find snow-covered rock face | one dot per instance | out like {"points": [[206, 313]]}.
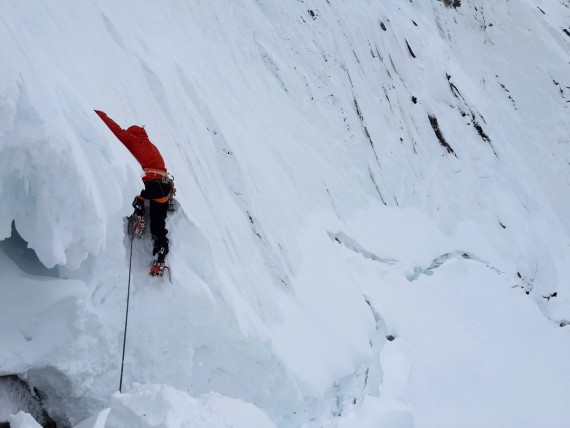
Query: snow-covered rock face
{"points": [[373, 209]]}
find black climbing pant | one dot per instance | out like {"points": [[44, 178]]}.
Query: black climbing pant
{"points": [[155, 189]]}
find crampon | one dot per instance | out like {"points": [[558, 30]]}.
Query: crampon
{"points": [[157, 268], [139, 226]]}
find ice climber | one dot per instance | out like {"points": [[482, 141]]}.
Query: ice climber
{"points": [[157, 188]]}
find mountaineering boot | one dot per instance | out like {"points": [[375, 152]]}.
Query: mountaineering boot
{"points": [[157, 268], [139, 227]]}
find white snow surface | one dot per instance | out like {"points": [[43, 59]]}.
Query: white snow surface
{"points": [[23, 420], [333, 265], [161, 406]]}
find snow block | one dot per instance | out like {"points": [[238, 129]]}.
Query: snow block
{"points": [[56, 174], [23, 420], [159, 406]]}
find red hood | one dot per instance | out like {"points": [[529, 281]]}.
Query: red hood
{"points": [[137, 131]]}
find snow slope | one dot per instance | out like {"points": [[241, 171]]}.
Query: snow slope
{"points": [[372, 225]]}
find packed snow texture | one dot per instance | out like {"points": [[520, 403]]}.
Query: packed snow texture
{"points": [[158, 406], [23, 420], [372, 225]]}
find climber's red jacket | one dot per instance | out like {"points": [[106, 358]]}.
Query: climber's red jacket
{"points": [[136, 140]]}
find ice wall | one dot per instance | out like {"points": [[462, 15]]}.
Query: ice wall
{"points": [[322, 151]]}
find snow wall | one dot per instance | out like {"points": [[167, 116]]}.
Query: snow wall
{"points": [[373, 207]]}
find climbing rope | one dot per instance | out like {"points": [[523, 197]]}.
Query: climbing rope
{"points": [[127, 312]]}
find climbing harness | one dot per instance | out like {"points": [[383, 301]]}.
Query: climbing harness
{"points": [[165, 178]]}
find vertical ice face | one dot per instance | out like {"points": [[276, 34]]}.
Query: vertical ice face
{"points": [[349, 176]]}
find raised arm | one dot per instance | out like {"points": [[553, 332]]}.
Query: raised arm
{"points": [[119, 132]]}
